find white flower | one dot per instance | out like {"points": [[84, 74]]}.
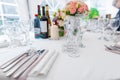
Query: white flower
{"points": [[61, 23]]}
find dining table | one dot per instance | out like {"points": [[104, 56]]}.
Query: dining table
{"points": [[94, 62]]}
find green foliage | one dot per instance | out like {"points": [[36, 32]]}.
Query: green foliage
{"points": [[67, 12], [54, 14], [61, 31], [93, 13]]}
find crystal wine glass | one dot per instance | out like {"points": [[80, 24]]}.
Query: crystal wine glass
{"points": [[114, 23]]}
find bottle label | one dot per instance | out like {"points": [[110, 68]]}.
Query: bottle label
{"points": [[43, 26], [37, 30]]}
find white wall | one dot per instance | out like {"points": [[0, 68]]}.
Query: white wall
{"points": [[23, 10], [33, 7]]}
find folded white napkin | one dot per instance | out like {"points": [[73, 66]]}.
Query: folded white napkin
{"points": [[44, 65], [47, 67]]}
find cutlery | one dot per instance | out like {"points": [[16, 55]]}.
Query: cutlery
{"points": [[11, 61], [29, 64], [24, 66], [108, 47], [16, 67], [13, 64], [27, 53], [112, 49]]}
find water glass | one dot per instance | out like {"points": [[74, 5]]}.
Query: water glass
{"points": [[92, 25], [18, 33], [111, 28], [28, 30]]}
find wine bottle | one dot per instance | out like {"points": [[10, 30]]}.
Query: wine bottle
{"points": [[44, 24], [37, 26], [49, 21], [39, 11]]}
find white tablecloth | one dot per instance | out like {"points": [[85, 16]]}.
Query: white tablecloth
{"points": [[94, 62]]}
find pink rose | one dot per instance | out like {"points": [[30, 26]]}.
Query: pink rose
{"points": [[81, 9], [73, 3], [72, 10], [86, 7], [67, 7], [76, 7]]}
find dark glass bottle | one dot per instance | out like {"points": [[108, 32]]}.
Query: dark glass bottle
{"points": [[37, 26], [39, 11], [49, 20], [44, 24]]}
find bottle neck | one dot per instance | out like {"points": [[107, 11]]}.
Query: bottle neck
{"points": [[39, 12], [36, 16], [46, 8], [47, 11], [43, 10]]}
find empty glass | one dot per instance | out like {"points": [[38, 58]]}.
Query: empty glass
{"points": [[102, 26], [28, 30], [92, 25], [111, 28], [14, 33], [18, 33], [114, 23]]}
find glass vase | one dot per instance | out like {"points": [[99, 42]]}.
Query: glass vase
{"points": [[71, 46]]}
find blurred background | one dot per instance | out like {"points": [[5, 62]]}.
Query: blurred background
{"points": [[23, 10]]}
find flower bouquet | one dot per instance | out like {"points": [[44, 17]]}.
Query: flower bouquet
{"points": [[75, 10], [71, 9], [59, 21], [76, 7]]}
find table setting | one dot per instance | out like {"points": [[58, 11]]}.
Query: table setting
{"points": [[82, 46]]}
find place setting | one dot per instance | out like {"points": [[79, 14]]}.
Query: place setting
{"points": [[114, 45], [32, 63]]}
